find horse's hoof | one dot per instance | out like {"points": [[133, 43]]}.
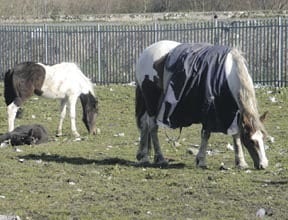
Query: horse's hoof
{"points": [[143, 164], [76, 134], [162, 164], [204, 167], [160, 161], [242, 166], [201, 164]]}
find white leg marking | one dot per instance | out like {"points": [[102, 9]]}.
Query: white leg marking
{"points": [[72, 107], [12, 111], [239, 155]]}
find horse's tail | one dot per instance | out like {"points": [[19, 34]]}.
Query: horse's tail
{"points": [[139, 106], [9, 90]]}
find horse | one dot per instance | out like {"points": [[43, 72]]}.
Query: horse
{"points": [[64, 81], [26, 134], [180, 84]]}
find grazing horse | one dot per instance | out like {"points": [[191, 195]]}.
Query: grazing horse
{"points": [[63, 81], [182, 84], [26, 134]]}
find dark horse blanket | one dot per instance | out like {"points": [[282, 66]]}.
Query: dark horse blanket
{"points": [[26, 134], [197, 90]]}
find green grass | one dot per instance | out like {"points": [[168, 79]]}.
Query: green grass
{"points": [[95, 178]]}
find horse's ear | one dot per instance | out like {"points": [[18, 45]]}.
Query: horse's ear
{"points": [[158, 65], [263, 117]]}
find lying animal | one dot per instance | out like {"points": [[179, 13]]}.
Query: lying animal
{"points": [[26, 134]]}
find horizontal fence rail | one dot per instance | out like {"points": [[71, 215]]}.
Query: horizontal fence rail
{"points": [[108, 53]]}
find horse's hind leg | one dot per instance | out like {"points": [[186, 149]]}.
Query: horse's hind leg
{"points": [[201, 156], [145, 141], [63, 107], [239, 155], [148, 133], [158, 156]]}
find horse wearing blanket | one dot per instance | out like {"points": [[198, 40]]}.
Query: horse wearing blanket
{"points": [[182, 84], [63, 81]]}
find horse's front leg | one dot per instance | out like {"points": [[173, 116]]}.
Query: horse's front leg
{"points": [[201, 156], [72, 107], [239, 154], [63, 107], [11, 111]]}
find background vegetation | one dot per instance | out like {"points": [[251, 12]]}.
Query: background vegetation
{"points": [[52, 8], [97, 178]]}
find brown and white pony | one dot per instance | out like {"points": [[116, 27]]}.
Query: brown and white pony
{"points": [[63, 81], [152, 77]]}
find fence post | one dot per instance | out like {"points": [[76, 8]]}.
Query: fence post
{"points": [[279, 51], [99, 53], [216, 32], [46, 43], [155, 32]]}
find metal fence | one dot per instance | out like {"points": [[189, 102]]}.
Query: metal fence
{"points": [[107, 53]]}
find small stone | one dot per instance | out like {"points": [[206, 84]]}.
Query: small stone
{"points": [[223, 167], [77, 139], [261, 213], [192, 151], [230, 146], [9, 217]]}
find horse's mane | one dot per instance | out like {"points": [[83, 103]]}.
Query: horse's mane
{"points": [[247, 97]]}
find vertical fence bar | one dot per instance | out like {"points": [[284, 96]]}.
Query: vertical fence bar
{"points": [[279, 51], [99, 52]]}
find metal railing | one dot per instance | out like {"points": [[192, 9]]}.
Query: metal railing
{"points": [[107, 53]]}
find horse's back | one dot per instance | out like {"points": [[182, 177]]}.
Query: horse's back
{"points": [[151, 54], [65, 79]]}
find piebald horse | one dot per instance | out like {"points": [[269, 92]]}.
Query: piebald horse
{"points": [[63, 81], [170, 76]]}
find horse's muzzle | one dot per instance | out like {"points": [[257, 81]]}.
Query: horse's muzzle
{"points": [[262, 165]]}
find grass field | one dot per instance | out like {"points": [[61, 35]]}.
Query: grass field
{"points": [[96, 178]]}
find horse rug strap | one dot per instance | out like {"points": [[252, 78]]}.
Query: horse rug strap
{"points": [[196, 89]]}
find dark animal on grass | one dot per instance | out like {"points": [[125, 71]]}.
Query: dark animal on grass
{"points": [[182, 84], [26, 134], [63, 81]]}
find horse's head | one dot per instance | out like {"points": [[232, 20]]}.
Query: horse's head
{"points": [[252, 135], [90, 111]]}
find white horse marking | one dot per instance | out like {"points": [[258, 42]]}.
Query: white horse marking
{"points": [[258, 138], [12, 111]]}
